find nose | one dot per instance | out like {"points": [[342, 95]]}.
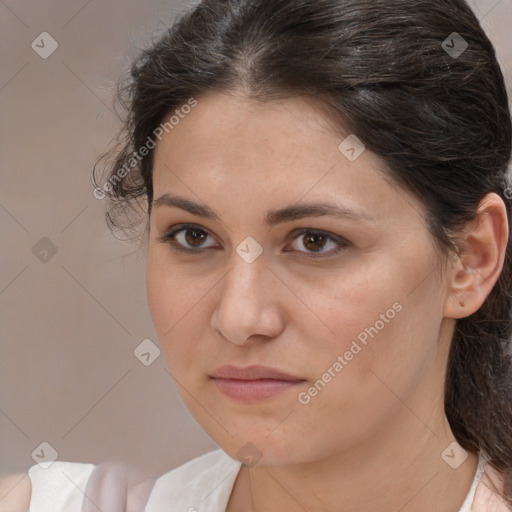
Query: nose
{"points": [[248, 306]]}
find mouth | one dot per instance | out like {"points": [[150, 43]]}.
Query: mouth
{"points": [[253, 383]]}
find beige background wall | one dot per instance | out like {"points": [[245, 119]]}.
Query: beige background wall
{"points": [[68, 326]]}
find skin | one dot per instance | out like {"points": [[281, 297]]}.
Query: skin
{"points": [[15, 492], [372, 438]]}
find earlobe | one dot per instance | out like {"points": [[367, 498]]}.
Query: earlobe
{"points": [[479, 262], [465, 295]]}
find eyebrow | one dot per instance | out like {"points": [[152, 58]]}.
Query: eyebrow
{"points": [[273, 217]]}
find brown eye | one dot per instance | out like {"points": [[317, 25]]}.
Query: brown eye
{"points": [[187, 238], [194, 237], [315, 242]]}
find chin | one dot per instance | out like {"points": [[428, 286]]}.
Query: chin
{"points": [[263, 451]]}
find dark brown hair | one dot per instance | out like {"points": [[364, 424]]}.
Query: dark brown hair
{"points": [[439, 120]]}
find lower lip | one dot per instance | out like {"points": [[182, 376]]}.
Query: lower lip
{"points": [[251, 390]]}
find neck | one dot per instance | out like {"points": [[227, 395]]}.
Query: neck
{"points": [[385, 474]]}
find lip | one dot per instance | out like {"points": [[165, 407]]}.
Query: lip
{"points": [[253, 383], [254, 372]]}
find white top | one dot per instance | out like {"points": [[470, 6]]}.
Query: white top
{"points": [[203, 484]]}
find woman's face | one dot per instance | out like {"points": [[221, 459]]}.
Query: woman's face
{"points": [[349, 303]]}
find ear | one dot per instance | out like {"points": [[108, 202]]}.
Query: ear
{"points": [[478, 264]]}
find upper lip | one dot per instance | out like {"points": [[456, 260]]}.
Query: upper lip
{"points": [[252, 373]]}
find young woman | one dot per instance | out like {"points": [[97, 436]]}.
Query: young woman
{"points": [[329, 260]]}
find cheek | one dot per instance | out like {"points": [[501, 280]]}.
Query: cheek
{"points": [[353, 306], [159, 300], [373, 324], [167, 290], [165, 297], [355, 385], [176, 304]]}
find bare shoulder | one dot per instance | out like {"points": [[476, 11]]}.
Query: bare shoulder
{"points": [[15, 493]]}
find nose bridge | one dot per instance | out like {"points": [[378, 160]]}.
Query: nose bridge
{"points": [[244, 287], [246, 305]]}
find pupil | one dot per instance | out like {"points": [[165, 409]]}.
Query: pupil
{"points": [[196, 237], [312, 238]]}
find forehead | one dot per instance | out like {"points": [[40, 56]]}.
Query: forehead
{"points": [[231, 146], [229, 122]]}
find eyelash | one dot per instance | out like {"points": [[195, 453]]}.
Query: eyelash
{"points": [[168, 238]]}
